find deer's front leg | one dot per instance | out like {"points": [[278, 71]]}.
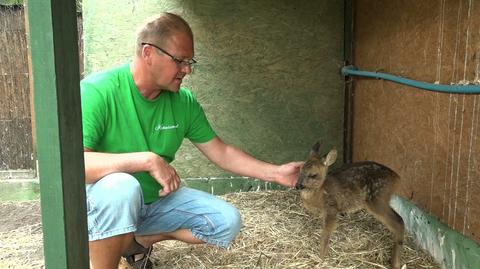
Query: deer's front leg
{"points": [[329, 225]]}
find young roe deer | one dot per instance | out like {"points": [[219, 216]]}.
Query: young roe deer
{"points": [[361, 185]]}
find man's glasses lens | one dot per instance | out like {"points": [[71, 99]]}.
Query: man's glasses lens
{"points": [[179, 62]]}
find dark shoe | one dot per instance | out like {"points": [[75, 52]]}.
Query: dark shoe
{"points": [[138, 256]]}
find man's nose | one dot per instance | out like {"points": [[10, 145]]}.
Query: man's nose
{"points": [[187, 69]]}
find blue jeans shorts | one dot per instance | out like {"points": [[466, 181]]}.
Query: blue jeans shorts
{"points": [[115, 206]]}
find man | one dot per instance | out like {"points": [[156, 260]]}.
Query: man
{"points": [[135, 117]]}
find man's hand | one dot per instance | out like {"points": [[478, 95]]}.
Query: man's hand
{"points": [[238, 162], [287, 174], [163, 173]]}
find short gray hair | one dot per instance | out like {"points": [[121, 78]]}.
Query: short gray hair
{"points": [[158, 29]]}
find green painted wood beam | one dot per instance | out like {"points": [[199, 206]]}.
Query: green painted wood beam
{"points": [[25, 190], [449, 248], [220, 186], [54, 51]]}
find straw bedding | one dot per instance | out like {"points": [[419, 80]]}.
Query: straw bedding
{"points": [[276, 233]]}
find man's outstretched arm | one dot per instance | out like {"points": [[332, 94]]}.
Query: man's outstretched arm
{"points": [[236, 161]]}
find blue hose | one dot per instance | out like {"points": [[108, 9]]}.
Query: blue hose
{"points": [[353, 71]]}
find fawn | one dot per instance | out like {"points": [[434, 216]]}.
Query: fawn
{"points": [[361, 185]]}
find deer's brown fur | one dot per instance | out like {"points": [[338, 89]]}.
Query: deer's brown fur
{"points": [[361, 185]]}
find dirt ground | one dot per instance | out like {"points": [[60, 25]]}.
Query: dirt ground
{"points": [[276, 233], [20, 235]]}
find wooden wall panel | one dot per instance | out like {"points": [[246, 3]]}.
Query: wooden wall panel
{"points": [[267, 73], [17, 140], [431, 139], [16, 145]]}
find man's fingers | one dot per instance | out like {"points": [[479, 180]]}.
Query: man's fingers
{"points": [[170, 185], [298, 165], [167, 186], [162, 193], [166, 190], [176, 182]]}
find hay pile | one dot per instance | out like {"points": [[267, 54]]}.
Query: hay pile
{"points": [[276, 233]]}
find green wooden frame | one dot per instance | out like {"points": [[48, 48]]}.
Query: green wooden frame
{"points": [[448, 247], [54, 50]]}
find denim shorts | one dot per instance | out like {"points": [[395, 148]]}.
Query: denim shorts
{"points": [[115, 206]]}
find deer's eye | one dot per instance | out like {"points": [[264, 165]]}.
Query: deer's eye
{"points": [[312, 176]]}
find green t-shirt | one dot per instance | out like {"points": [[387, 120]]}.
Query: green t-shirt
{"points": [[118, 119]]}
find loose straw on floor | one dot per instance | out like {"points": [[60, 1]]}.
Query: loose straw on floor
{"points": [[276, 233]]}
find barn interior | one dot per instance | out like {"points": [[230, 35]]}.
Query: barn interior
{"points": [[269, 77]]}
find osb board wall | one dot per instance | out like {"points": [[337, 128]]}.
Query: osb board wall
{"points": [[431, 139], [268, 73], [17, 134], [16, 150]]}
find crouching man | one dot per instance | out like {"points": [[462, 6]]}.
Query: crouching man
{"points": [[135, 117]]}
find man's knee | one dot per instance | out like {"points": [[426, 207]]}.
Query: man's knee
{"points": [[233, 222], [222, 228], [113, 206], [117, 189]]}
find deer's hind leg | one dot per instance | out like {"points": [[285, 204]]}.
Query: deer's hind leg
{"points": [[329, 225], [382, 211]]}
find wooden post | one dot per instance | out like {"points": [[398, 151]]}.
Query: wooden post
{"points": [[54, 49]]}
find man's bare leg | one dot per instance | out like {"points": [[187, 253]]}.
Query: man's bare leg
{"points": [[183, 235], [106, 253]]}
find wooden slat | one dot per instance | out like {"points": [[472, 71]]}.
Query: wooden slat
{"points": [[14, 151], [16, 89], [430, 139], [16, 133]]}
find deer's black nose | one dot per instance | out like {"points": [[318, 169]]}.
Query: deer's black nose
{"points": [[299, 185]]}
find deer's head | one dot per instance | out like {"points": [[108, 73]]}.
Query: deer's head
{"points": [[315, 169]]}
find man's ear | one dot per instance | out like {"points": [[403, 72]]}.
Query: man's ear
{"points": [[147, 53]]}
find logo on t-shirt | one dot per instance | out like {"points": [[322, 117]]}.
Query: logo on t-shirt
{"points": [[162, 127]]}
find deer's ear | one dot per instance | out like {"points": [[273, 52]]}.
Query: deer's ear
{"points": [[315, 151], [331, 157]]}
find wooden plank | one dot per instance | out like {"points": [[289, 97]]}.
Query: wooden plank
{"points": [[15, 148], [53, 39], [348, 87], [15, 129], [430, 139], [31, 92]]}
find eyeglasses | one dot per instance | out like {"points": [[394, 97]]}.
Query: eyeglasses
{"points": [[179, 62]]}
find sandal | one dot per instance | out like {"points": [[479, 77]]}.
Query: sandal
{"points": [[137, 256]]}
